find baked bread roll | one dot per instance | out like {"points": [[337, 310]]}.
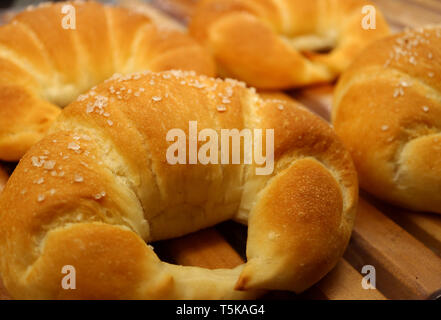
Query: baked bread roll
{"points": [[44, 67], [387, 111], [91, 197], [283, 44], [159, 17]]}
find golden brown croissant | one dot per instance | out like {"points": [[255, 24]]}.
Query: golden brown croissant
{"points": [[100, 186], [387, 110], [282, 44], [44, 66]]}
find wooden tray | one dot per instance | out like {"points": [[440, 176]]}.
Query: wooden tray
{"points": [[403, 246]]}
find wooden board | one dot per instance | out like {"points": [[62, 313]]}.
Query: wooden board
{"points": [[405, 267], [403, 246]]}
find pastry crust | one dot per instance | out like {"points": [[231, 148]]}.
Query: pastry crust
{"points": [[387, 110], [98, 188], [278, 44], [44, 67]]}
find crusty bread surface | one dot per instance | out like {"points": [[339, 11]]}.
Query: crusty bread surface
{"points": [[387, 110], [98, 188], [280, 44], [44, 66]]}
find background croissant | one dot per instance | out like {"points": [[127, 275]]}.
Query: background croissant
{"points": [[285, 43], [44, 67], [387, 111]]}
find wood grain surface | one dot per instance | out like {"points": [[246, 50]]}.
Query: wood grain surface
{"points": [[405, 267], [410, 13], [343, 283]]}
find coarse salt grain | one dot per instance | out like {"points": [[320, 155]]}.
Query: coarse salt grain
{"points": [[156, 98], [82, 97], [100, 195], [398, 92], [49, 165], [221, 108], [36, 162], [272, 235], [73, 146]]}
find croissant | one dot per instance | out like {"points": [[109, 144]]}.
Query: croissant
{"points": [[44, 66], [100, 186], [387, 110], [280, 44]]}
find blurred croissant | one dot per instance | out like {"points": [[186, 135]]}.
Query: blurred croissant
{"points": [[280, 44], [44, 66]]}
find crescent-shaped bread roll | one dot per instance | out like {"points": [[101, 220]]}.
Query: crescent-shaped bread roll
{"points": [[280, 44], [387, 110], [51, 54], [99, 187]]}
